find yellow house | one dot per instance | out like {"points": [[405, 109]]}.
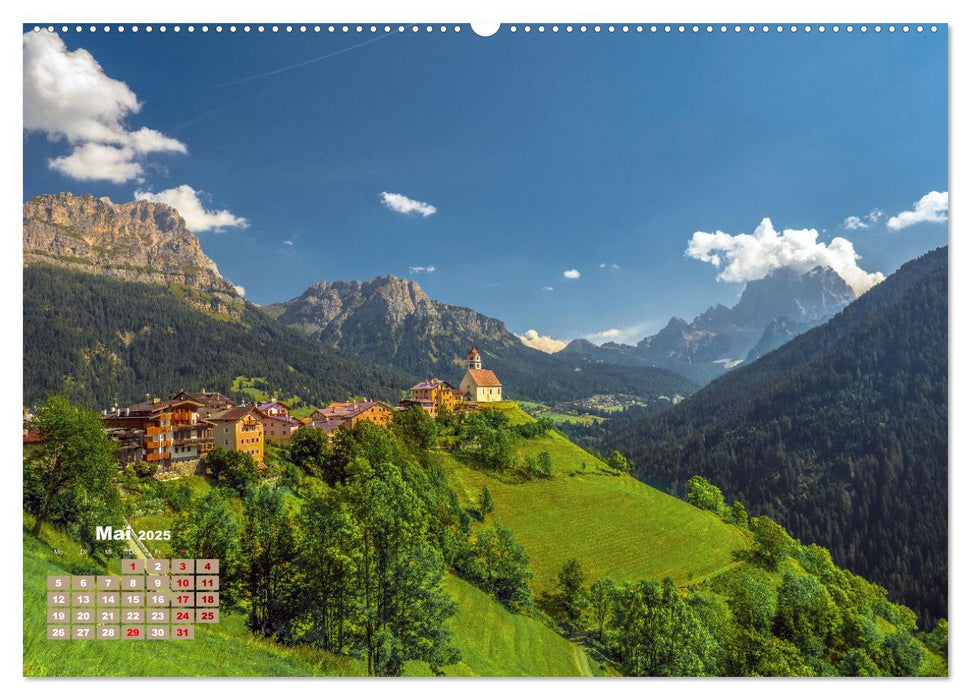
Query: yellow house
{"points": [[480, 385], [239, 429], [432, 395]]}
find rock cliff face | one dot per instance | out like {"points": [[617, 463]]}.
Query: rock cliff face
{"points": [[387, 316], [135, 241]]}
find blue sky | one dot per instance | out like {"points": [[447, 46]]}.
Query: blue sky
{"points": [[540, 154]]}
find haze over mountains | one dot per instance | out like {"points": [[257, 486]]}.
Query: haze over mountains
{"points": [[770, 312]]}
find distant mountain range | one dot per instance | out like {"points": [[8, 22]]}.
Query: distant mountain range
{"points": [[771, 311], [841, 435], [393, 321]]}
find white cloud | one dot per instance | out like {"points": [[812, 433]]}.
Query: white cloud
{"points": [[240, 289], [612, 266], [571, 274], [418, 269], [288, 242], [197, 218], [405, 205], [98, 161], [854, 223], [533, 339], [932, 207], [68, 97], [752, 256], [547, 288]]}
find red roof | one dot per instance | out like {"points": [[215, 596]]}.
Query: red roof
{"points": [[235, 413], [150, 407], [210, 399], [344, 410], [326, 426], [264, 407], [431, 384], [484, 377], [33, 436]]}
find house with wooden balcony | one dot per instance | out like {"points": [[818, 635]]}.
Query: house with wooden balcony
{"points": [[165, 431]]}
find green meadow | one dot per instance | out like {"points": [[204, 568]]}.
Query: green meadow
{"points": [[497, 642], [613, 524]]}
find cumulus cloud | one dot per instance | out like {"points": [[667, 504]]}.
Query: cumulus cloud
{"points": [[854, 223], [68, 97], [99, 161], [752, 256], [571, 274], [197, 218], [240, 289], [931, 208], [533, 339], [288, 242], [405, 205], [418, 269]]}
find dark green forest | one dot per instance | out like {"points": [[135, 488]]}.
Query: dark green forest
{"points": [[840, 435], [98, 340]]}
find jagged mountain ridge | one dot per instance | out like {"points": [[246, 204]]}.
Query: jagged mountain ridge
{"points": [[770, 312], [135, 241], [392, 321]]}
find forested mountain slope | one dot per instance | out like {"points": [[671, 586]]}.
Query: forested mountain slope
{"points": [[841, 435], [99, 341]]}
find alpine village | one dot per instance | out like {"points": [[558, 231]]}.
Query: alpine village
{"points": [[172, 435]]}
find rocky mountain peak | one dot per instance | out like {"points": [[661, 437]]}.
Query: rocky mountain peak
{"points": [[808, 297], [136, 241]]}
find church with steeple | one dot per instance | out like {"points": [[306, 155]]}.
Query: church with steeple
{"points": [[480, 385]]}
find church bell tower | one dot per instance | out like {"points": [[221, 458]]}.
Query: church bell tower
{"points": [[475, 359]]}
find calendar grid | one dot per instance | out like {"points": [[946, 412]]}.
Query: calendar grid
{"points": [[151, 599]]}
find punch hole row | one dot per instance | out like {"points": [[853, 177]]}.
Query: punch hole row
{"points": [[512, 29]]}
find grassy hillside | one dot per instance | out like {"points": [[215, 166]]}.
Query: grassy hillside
{"points": [[614, 524], [492, 640], [496, 642]]}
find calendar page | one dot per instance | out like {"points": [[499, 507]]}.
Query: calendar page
{"points": [[550, 349]]}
